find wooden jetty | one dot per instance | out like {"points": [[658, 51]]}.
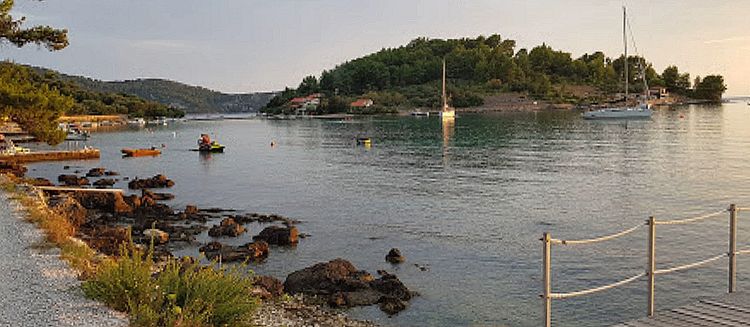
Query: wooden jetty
{"points": [[729, 310], [732, 310], [51, 156]]}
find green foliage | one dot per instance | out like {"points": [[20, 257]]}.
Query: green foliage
{"points": [[182, 294], [123, 283], [476, 67], [12, 31], [710, 88], [32, 103]]}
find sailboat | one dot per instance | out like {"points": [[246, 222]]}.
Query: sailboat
{"points": [[643, 110], [447, 112]]}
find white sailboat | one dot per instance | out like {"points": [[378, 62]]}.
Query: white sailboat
{"points": [[447, 111], [643, 110]]}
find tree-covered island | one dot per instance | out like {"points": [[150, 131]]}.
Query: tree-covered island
{"points": [[479, 69]]}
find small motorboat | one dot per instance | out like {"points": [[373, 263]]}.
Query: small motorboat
{"points": [[420, 113], [366, 141], [213, 147], [140, 152], [205, 144]]}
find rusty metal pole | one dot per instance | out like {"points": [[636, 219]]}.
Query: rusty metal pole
{"points": [[732, 248], [651, 263], [547, 278]]}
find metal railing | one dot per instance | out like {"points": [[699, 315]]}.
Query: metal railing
{"points": [[651, 271]]}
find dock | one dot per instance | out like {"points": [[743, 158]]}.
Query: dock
{"points": [[728, 310], [51, 156]]}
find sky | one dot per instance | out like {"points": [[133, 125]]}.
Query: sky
{"points": [[239, 46]]}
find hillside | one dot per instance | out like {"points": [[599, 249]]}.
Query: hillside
{"points": [[409, 76], [190, 99]]}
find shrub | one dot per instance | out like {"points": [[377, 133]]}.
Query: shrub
{"points": [[179, 295]]}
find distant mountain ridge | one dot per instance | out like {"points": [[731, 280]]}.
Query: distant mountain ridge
{"points": [[191, 99]]}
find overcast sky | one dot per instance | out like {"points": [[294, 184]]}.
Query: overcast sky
{"points": [[248, 46]]}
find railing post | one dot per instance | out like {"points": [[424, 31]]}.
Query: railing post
{"points": [[546, 273], [732, 247], [651, 263]]}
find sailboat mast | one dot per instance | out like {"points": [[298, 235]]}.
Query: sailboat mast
{"points": [[445, 99], [625, 41]]}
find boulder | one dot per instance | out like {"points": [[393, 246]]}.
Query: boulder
{"points": [[343, 285], [158, 181], [68, 207], [394, 256], [392, 305], [158, 196], [159, 236], [106, 239], [191, 209], [269, 287], [40, 182], [111, 173], [96, 172], [227, 227], [8, 167], [106, 202], [72, 180], [277, 235], [133, 201], [105, 182], [226, 253], [325, 278]]}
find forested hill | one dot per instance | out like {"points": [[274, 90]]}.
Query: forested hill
{"points": [[190, 99], [409, 75]]}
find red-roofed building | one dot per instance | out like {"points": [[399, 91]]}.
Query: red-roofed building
{"points": [[361, 103]]}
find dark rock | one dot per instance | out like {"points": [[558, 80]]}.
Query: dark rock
{"points": [[111, 173], [394, 256], [133, 201], [392, 305], [391, 286], [96, 172], [159, 236], [66, 167], [278, 235], [105, 202], [40, 182], [191, 209], [68, 207], [72, 180], [158, 196], [7, 167], [211, 247], [324, 278], [343, 285], [105, 182], [158, 181], [227, 227], [226, 253], [271, 286], [106, 239]]}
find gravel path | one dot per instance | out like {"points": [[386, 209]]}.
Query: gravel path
{"points": [[36, 287]]}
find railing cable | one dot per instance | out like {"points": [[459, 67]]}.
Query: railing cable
{"points": [[596, 289], [690, 220], [598, 239], [690, 265]]}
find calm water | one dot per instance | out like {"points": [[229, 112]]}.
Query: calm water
{"points": [[471, 201]]}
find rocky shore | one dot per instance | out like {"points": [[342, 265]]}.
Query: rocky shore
{"points": [[307, 297]]}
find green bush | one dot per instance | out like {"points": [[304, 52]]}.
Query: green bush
{"points": [[182, 294]]}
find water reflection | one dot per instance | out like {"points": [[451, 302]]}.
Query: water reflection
{"points": [[449, 128]]}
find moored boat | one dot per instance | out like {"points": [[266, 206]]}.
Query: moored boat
{"points": [[140, 152]]}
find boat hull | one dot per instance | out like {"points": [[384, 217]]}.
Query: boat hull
{"points": [[140, 152]]}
